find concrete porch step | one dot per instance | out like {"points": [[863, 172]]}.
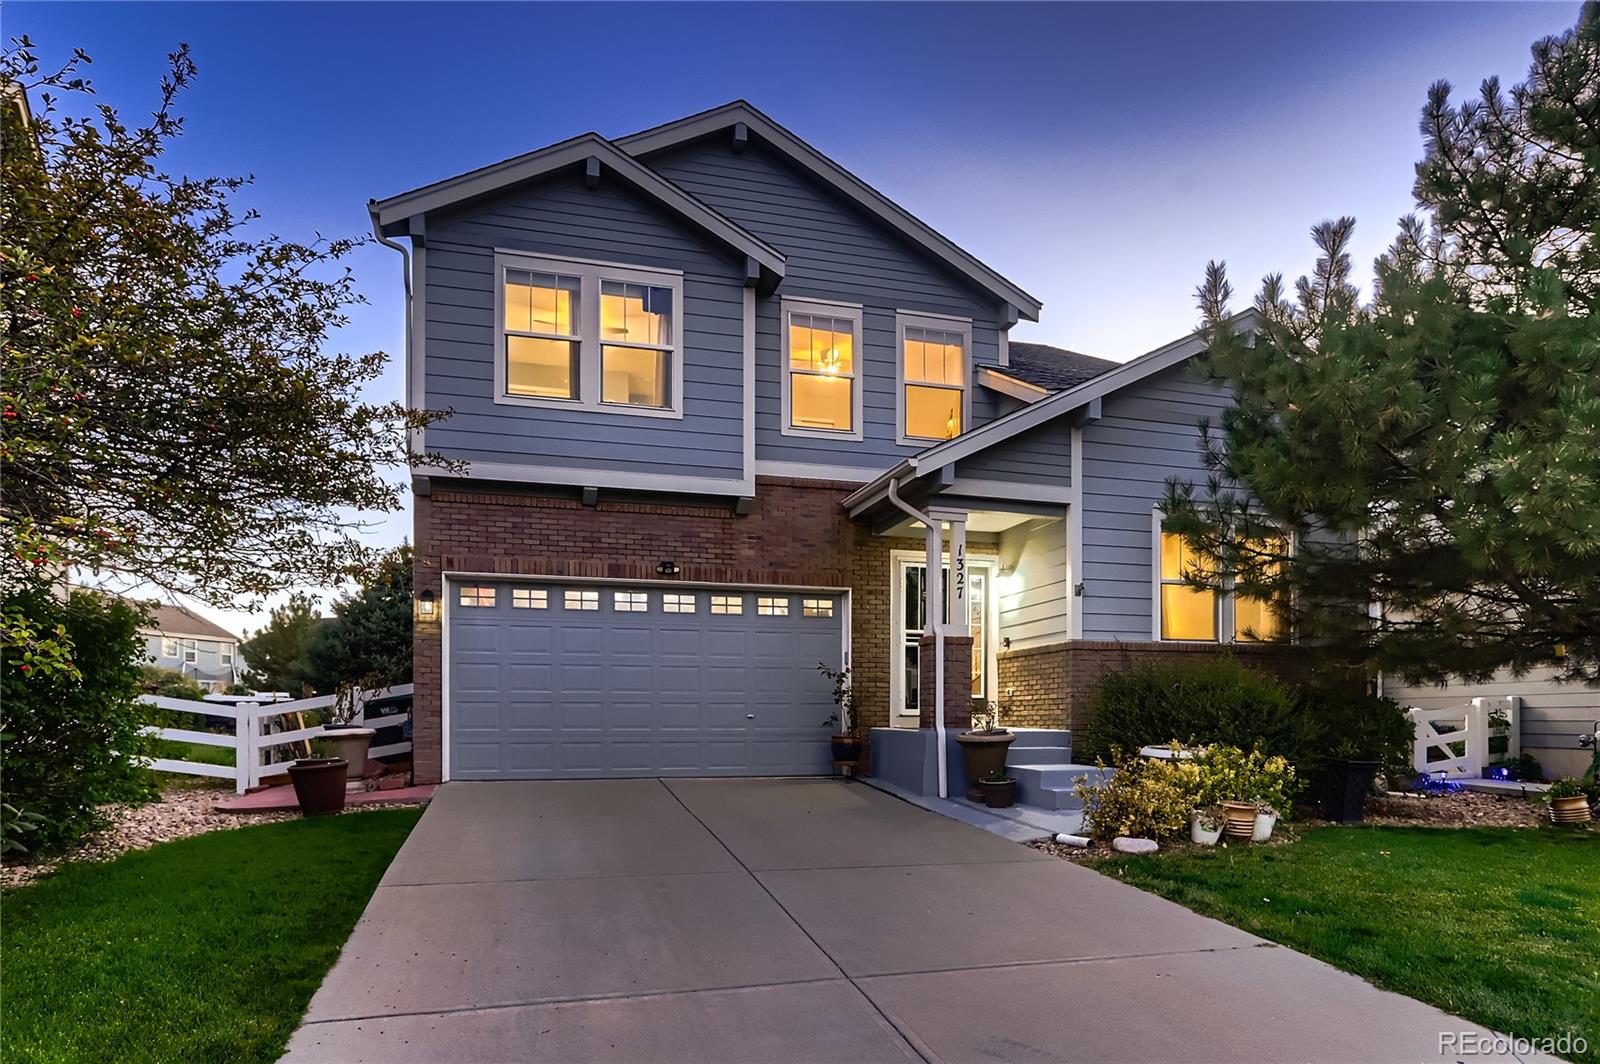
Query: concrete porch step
{"points": [[1039, 755], [1051, 785]]}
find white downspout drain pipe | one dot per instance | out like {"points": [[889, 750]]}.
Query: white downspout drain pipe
{"points": [[938, 643]]}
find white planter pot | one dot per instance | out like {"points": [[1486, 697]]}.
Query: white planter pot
{"points": [[1202, 836], [350, 744], [1265, 822]]}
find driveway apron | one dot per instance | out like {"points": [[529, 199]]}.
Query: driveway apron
{"points": [[798, 920]]}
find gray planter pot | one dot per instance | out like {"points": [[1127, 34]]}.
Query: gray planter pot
{"points": [[351, 744]]}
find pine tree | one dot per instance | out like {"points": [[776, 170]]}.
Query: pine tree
{"points": [[1435, 450]]}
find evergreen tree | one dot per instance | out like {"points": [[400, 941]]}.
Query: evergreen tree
{"points": [[275, 657], [368, 641], [1436, 449]]}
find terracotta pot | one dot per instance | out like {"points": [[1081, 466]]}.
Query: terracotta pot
{"points": [[1573, 810], [984, 754], [1241, 819], [999, 794], [318, 784], [847, 749], [349, 742]]}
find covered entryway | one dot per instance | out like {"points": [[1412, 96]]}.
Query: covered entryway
{"points": [[564, 680]]}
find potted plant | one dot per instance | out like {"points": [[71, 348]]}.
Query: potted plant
{"points": [[1569, 802], [983, 748], [1239, 818], [1266, 820], [999, 790], [318, 784], [1346, 782], [849, 747], [342, 736], [1205, 825]]}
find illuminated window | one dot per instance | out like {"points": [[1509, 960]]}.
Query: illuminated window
{"points": [[476, 595], [1186, 613], [635, 343], [579, 333], [1254, 619], [673, 603], [821, 383], [529, 598], [816, 607], [630, 601], [581, 600], [933, 378], [767, 606], [542, 334], [731, 605]]}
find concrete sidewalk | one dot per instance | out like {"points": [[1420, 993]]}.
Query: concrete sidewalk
{"points": [[802, 920]]}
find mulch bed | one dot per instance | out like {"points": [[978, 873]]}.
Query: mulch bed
{"points": [[1464, 809]]}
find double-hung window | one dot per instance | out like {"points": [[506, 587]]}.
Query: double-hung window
{"points": [[933, 358], [169, 648], [588, 335], [1190, 614], [821, 369]]}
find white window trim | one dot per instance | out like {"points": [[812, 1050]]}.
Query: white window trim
{"points": [[191, 651], [1226, 617], [589, 273], [851, 312], [946, 324], [225, 653], [170, 648]]}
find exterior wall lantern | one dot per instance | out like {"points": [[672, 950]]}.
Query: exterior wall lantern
{"points": [[425, 605]]}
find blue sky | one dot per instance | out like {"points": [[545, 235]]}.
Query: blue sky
{"points": [[1096, 154]]}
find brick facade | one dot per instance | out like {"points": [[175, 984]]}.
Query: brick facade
{"points": [[795, 533], [1050, 685], [957, 681]]}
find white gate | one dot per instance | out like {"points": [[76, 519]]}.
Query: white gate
{"points": [[1456, 741]]}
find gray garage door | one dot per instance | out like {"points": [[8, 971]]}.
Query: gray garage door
{"points": [[582, 680]]}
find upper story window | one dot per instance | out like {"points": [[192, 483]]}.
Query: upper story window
{"points": [[191, 651], [933, 359], [822, 369], [586, 335], [169, 648], [225, 653]]}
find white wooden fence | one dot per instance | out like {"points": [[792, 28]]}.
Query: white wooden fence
{"points": [[1453, 741], [263, 731]]}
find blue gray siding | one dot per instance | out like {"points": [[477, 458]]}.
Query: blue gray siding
{"points": [[834, 252], [208, 668], [1148, 432], [561, 217], [1041, 456], [1035, 611]]}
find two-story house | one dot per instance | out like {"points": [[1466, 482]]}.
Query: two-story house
{"points": [[185, 642], [717, 408]]}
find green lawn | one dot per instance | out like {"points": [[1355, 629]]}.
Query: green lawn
{"points": [[204, 949], [1497, 925]]}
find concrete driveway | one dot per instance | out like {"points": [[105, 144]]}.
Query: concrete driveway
{"points": [[802, 920]]}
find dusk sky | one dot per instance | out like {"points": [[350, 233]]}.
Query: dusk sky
{"points": [[1097, 155]]}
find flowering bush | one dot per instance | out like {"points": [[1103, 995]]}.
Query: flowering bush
{"points": [[1153, 797]]}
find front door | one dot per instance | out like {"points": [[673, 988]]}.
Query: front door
{"points": [[910, 622]]}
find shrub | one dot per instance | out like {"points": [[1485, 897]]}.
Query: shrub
{"points": [[72, 736], [1153, 797], [1145, 797], [1215, 701], [1349, 724]]}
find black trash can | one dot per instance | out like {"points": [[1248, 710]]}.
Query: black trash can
{"points": [[1345, 789]]}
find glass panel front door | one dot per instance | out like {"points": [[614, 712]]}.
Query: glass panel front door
{"points": [[913, 615]]}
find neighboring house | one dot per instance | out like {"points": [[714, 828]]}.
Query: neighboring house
{"points": [[188, 643], [708, 391], [1554, 715]]}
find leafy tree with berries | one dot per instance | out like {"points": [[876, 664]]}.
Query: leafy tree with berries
{"points": [[1436, 448]]}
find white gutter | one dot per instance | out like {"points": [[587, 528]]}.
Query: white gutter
{"points": [[938, 639]]}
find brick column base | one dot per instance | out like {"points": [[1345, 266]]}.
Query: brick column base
{"points": [[957, 681]]}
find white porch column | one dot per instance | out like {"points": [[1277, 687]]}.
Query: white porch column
{"points": [[960, 579]]}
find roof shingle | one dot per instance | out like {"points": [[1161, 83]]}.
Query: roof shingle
{"points": [[1052, 368]]}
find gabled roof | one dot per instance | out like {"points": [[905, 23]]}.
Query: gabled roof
{"points": [[391, 216], [670, 135], [175, 622], [1052, 368], [1058, 404]]}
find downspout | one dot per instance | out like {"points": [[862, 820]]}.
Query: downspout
{"points": [[938, 644]]}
